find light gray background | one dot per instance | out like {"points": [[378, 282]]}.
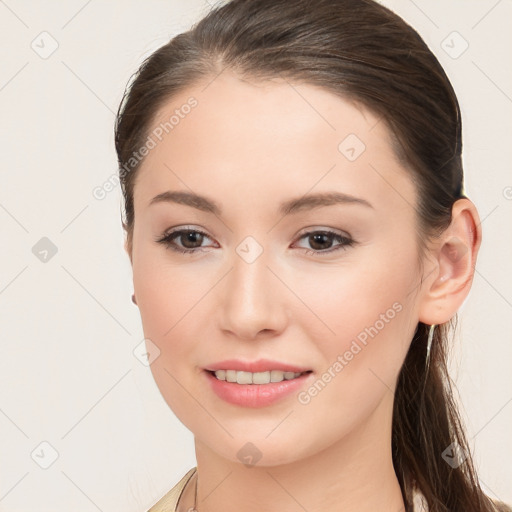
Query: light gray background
{"points": [[68, 374]]}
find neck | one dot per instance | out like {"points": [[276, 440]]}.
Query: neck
{"points": [[355, 474]]}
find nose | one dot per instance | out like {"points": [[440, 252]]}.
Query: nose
{"points": [[251, 300]]}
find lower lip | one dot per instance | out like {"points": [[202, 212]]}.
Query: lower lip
{"points": [[255, 395]]}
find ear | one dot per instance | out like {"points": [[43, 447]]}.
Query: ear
{"points": [[454, 257]]}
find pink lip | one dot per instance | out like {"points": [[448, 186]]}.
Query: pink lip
{"points": [[261, 365], [254, 395]]}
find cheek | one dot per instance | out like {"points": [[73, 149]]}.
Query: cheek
{"points": [[165, 291], [363, 324], [171, 301], [346, 301]]}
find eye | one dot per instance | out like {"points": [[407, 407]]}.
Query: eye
{"points": [[322, 238], [188, 237], [191, 240]]}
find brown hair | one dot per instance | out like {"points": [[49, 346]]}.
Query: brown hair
{"points": [[360, 51]]}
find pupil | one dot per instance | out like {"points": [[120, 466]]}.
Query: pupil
{"points": [[190, 238], [317, 239]]}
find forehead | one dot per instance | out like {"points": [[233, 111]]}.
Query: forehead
{"points": [[266, 139]]}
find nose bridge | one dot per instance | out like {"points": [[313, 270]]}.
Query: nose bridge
{"points": [[251, 299]]}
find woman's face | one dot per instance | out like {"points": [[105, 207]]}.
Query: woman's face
{"points": [[266, 282]]}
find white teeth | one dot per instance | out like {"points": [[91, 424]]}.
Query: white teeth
{"points": [[244, 377], [260, 378], [276, 376], [231, 375], [241, 377], [221, 374]]}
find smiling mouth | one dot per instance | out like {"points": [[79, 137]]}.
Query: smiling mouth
{"points": [[242, 377]]}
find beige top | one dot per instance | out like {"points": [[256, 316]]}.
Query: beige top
{"points": [[170, 500]]}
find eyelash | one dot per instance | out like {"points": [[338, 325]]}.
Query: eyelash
{"points": [[345, 241]]}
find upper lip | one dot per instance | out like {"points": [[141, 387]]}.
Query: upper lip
{"points": [[261, 365]]}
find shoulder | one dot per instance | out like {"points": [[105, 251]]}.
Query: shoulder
{"points": [[168, 502]]}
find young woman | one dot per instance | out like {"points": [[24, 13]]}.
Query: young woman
{"points": [[301, 243]]}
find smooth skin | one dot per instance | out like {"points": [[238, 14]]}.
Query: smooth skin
{"points": [[249, 146]]}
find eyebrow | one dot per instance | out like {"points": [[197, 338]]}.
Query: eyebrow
{"points": [[306, 202]]}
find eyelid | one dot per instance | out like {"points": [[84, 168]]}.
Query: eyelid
{"points": [[180, 229], [186, 228], [322, 229]]}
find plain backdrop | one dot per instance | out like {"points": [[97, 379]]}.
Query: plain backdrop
{"points": [[83, 426]]}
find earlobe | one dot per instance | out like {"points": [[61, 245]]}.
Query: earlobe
{"points": [[455, 257]]}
